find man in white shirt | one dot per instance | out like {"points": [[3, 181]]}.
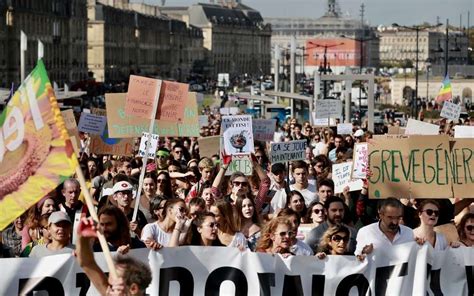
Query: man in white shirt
{"points": [[278, 187], [387, 232], [299, 169]]}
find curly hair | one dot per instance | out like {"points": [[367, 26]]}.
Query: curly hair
{"points": [[324, 245], [265, 241], [135, 272]]}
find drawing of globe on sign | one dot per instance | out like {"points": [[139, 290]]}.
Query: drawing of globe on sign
{"points": [[107, 140], [238, 141]]}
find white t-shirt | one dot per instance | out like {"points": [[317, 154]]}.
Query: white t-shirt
{"points": [[153, 231], [371, 234], [309, 193], [319, 148], [278, 199]]}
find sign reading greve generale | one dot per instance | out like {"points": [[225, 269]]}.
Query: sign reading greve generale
{"points": [[421, 167]]}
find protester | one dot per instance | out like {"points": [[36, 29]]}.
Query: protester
{"points": [[277, 191], [133, 276], [338, 143], [248, 220], [157, 206], [196, 206], [71, 205], [204, 232], [299, 170], [325, 190], [298, 247], [388, 231], [164, 186], [149, 192], [315, 214], [123, 197], [11, 236], [206, 167], [276, 237], [428, 211], [466, 230], [296, 202], [334, 242], [59, 227], [228, 233]]}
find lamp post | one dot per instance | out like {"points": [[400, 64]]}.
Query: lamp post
{"points": [[428, 67], [417, 30], [361, 61], [324, 69]]}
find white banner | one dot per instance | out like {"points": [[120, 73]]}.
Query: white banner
{"points": [[403, 270]]}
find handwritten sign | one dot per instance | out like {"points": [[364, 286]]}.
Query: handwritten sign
{"points": [[360, 161], [203, 120], [173, 97], [323, 121], [92, 124], [264, 129], [238, 134], [450, 110], [152, 147], [209, 146], [287, 151], [240, 163], [416, 127], [121, 125], [418, 167], [140, 96], [328, 109], [103, 145], [341, 175], [69, 119], [462, 155], [463, 131], [344, 129]]}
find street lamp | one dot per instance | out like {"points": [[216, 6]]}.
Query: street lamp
{"points": [[428, 67], [324, 69], [417, 30], [361, 62]]}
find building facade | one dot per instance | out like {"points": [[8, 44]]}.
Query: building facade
{"points": [[62, 28]]}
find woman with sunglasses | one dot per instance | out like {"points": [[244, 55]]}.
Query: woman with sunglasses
{"points": [[277, 237], [466, 230], [428, 211], [248, 220], [227, 232], [334, 242], [158, 234], [204, 232], [315, 214], [163, 185]]}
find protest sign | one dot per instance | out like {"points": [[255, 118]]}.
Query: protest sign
{"points": [[462, 154], [99, 111], [209, 146], [229, 111], [140, 96], [396, 130], [173, 99], [463, 131], [263, 129], [121, 125], [450, 110], [360, 160], [152, 147], [36, 154], [203, 120], [71, 127], [328, 109], [216, 270], [341, 175], [103, 145], [287, 151], [416, 167], [92, 124], [416, 127], [323, 121], [238, 134], [69, 119], [240, 163], [344, 129]]}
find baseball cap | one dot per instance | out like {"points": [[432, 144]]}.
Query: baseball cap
{"points": [[122, 186], [359, 133], [57, 217]]}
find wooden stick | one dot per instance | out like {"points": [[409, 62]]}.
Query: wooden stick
{"points": [[93, 213]]}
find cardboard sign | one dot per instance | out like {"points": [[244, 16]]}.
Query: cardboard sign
{"points": [[173, 97], [121, 125], [140, 96], [103, 145], [396, 130], [153, 145], [92, 124], [416, 127], [462, 155], [360, 161], [240, 163], [463, 131], [203, 120], [71, 126], [69, 119], [416, 167], [238, 134], [328, 109], [323, 121], [288, 151], [451, 111], [264, 129], [341, 175], [99, 111], [209, 146], [344, 129]]}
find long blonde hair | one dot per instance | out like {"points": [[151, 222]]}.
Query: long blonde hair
{"points": [[265, 242]]}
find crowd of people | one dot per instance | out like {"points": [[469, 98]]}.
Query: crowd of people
{"points": [[289, 209]]}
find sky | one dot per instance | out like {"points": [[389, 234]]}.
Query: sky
{"points": [[377, 12]]}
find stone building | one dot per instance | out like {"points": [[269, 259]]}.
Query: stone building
{"points": [[236, 38], [62, 28]]}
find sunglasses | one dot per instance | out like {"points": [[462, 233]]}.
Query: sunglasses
{"points": [[162, 157], [213, 225], [237, 183], [337, 238], [430, 212], [470, 228], [317, 211], [286, 234], [182, 210]]}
